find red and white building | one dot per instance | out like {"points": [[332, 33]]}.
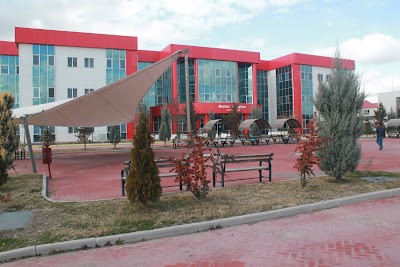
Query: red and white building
{"points": [[44, 66]]}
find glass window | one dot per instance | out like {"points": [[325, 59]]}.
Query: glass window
{"points": [[35, 60], [109, 63], [217, 72], [320, 77], [122, 63], [17, 70], [36, 92], [228, 73], [4, 69], [51, 60], [87, 91], [328, 77], [50, 92], [206, 71], [73, 130], [72, 92], [89, 62], [72, 62]]}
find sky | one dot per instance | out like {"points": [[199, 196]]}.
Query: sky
{"points": [[365, 31]]}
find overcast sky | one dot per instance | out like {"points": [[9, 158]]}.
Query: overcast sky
{"points": [[366, 31]]}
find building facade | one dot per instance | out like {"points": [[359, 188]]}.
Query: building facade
{"points": [[390, 100], [44, 66]]}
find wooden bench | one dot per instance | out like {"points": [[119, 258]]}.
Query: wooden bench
{"points": [[231, 163], [161, 163]]}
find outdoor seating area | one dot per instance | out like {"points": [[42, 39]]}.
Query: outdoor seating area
{"points": [[252, 132], [393, 128]]}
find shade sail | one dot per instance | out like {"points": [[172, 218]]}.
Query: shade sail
{"points": [[113, 104], [209, 125]]}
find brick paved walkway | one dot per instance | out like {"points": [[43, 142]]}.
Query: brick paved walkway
{"points": [[95, 174], [364, 234]]}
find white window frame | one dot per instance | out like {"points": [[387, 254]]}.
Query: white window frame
{"points": [[74, 92], [48, 60], [7, 67], [72, 62], [48, 92], [33, 60], [122, 64], [89, 62], [217, 72], [320, 77], [72, 130], [88, 90], [38, 89]]}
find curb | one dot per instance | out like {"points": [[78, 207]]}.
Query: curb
{"points": [[120, 239]]}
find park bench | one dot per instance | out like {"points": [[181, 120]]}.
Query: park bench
{"points": [[232, 163], [161, 163]]}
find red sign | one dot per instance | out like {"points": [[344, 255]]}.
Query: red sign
{"points": [[46, 155]]}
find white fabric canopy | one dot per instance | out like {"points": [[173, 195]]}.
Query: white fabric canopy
{"points": [[113, 104]]}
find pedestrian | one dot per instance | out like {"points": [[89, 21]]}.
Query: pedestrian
{"points": [[201, 130], [380, 134]]}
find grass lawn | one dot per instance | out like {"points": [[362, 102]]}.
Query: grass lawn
{"points": [[53, 222]]}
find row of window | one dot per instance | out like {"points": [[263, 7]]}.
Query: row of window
{"points": [[71, 92], [6, 69], [321, 77]]}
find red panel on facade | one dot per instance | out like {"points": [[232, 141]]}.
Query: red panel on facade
{"points": [[214, 53], [74, 39], [8, 48], [148, 56], [131, 62], [303, 59], [297, 101]]}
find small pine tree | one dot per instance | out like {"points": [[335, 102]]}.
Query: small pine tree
{"points": [[83, 134], [380, 114], [339, 102], [368, 128], [143, 183], [254, 128], [115, 135], [8, 136], [232, 120], [391, 114], [47, 136], [165, 127]]}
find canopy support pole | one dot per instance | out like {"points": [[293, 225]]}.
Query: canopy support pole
{"points": [[29, 143]]}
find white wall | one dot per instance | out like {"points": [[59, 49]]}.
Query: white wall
{"points": [[272, 95], [388, 100], [80, 77], [65, 77]]}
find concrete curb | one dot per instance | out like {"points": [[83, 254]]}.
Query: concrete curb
{"points": [[134, 237]]}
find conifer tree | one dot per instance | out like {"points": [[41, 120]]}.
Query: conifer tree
{"points": [[143, 183], [115, 135], [339, 102], [83, 135], [232, 120], [254, 128], [8, 136], [165, 127], [380, 114]]}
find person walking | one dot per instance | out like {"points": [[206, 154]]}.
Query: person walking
{"points": [[380, 134]]}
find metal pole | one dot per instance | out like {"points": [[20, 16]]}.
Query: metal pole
{"points": [[189, 127], [28, 141]]}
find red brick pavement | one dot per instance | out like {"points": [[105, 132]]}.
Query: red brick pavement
{"points": [[364, 234], [95, 174]]}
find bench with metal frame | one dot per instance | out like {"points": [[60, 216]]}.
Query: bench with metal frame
{"points": [[231, 163], [161, 163]]}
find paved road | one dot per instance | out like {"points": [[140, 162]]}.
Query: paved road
{"points": [[364, 234]]}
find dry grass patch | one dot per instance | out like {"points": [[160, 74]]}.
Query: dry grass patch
{"points": [[53, 222]]}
